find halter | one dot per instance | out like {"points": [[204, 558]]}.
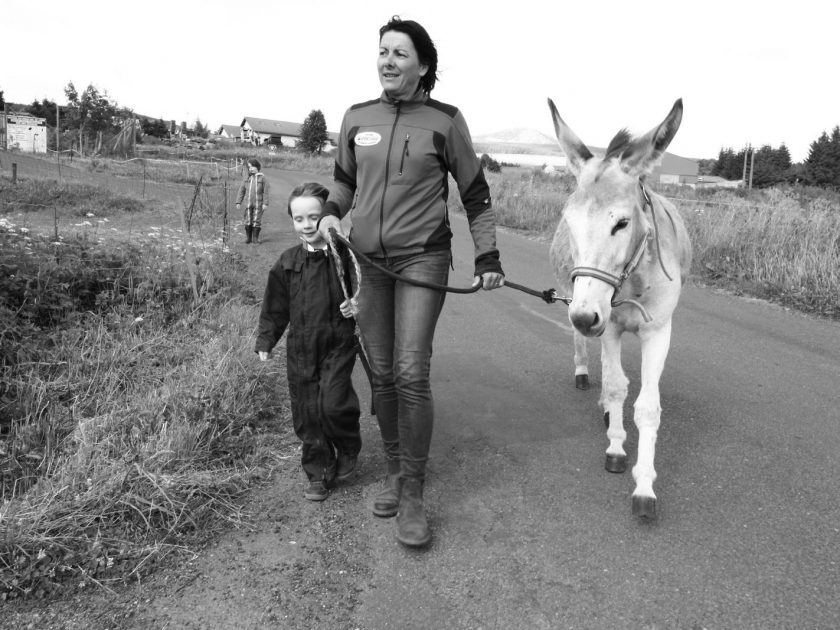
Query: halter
{"points": [[618, 281]]}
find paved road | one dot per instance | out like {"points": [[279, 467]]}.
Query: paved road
{"points": [[531, 532]]}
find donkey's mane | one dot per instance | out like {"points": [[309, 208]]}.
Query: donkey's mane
{"points": [[618, 145]]}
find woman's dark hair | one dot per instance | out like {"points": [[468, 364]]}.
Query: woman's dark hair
{"points": [[255, 162], [309, 189], [426, 50]]}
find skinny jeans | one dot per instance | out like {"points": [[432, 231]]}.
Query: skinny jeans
{"points": [[397, 322]]}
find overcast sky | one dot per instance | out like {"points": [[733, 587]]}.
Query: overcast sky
{"points": [[747, 71]]}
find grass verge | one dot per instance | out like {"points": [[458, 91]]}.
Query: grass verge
{"points": [[132, 415]]}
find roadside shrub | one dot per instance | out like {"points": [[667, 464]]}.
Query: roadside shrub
{"points": [[131, 415], [488, 163]]}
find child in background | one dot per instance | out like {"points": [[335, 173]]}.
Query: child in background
{"points": [[255, 187], [303, 293]]}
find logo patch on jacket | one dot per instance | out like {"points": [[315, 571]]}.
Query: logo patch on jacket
{"points": [[367, 139]]}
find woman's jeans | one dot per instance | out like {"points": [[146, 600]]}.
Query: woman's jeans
{"points": [[397, 322]]}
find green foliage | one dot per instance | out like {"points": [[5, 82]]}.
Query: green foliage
{"points": [[80, 199], [200, 130], [156, 128], [313, 132], [490, 164], [822, 167], [44, 110], [129, 413], [769, 166]]}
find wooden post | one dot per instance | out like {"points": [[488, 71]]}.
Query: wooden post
{"points": [[752, 168], [144, 178], [746, 154]]}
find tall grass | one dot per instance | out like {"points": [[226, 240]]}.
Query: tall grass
{"points": [[132, 416], [780, 244]]}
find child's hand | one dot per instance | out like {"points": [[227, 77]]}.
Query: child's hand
{"points": [[263, 355], [349, 308]]}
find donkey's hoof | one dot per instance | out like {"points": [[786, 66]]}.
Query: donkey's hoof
{"points": [[644, 507], [616, 464], [582, 381]]}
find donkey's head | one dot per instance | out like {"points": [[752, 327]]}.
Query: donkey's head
{"points": [[606, 214]]}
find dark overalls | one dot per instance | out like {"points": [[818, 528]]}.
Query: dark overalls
{"points": [[303, 293]]}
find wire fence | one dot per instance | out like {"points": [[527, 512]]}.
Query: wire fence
{"points": [[204, 192]]}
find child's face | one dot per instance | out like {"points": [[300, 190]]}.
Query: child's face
{"points": [[252, 169], [305, 214]]}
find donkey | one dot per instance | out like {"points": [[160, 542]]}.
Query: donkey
{"points": [[623, 252]]}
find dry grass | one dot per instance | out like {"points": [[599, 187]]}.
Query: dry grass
{"points": [[778, 244], [132, 415]]}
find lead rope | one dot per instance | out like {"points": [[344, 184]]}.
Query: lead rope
{"points": [[342, 280]]}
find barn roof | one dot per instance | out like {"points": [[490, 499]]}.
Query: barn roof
{"points": [[276, 127], [232, 130]]}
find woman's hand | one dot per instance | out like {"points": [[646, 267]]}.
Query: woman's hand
{"points": [[326, 222], [263, 355], [349, 308], [490, 280]]}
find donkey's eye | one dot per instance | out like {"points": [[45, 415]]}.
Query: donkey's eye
{"points": [[620, 225]]}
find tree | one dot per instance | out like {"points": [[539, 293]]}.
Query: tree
{"points": [[91, 112], [2, 100], [43, 110], [313, 132], [156, 128], [822, 166], [200, 130]]}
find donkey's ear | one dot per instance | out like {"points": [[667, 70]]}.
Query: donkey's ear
{"points": [[644, 153], [576, 152]]}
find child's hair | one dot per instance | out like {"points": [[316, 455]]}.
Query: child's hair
{"points": [[309, 189], [255, 162]]}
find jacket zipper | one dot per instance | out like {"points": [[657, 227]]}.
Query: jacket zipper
{"points": [[404, 154], [385, 186]]}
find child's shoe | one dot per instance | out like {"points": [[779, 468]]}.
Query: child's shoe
{"points": [[316, 491], [346, 466]]}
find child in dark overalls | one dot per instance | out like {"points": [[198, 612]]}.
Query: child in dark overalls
{"points": [[304, 294]]}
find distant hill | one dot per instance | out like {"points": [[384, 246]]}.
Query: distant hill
{"points": [[517, 135]]}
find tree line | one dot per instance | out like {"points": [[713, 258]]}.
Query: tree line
{"points": [[771, 166]]}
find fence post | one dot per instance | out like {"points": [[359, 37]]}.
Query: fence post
{"points": [[144, 178], [14, 172]]}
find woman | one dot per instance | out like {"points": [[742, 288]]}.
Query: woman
{"points": [[394, 157]]}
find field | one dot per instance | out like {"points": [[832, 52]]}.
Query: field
{"points": [[133, 418]]}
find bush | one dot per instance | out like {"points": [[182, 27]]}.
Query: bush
{"points": [[490, 164]]}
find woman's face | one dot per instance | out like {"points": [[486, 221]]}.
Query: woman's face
{"points": [[399, 66]]}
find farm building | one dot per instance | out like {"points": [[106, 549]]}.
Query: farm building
{"points": [[259, 131], [25, 133], [231, 132], [264, 131]]}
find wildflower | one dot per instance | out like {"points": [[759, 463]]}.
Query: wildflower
{"points": [[90, 214]]}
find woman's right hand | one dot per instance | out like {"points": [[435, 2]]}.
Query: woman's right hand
{"points": [[328, 222]]}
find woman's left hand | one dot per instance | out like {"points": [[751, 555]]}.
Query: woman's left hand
{"points": [[490, 280]]}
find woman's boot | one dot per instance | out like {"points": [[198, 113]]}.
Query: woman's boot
{"points": [[247, 234], [412, 527], [387, 502]]}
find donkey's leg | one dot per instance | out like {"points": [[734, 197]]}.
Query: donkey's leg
{"points": [[655, 346], [613, 394], [581, 361]]}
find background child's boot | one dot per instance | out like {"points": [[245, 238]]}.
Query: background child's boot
{"points": [[257, 235], [247, 234]]}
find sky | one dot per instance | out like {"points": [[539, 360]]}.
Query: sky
{"points": [[749, 72]]}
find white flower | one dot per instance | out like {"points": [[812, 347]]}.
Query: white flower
{"points": [[90, 214]]}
